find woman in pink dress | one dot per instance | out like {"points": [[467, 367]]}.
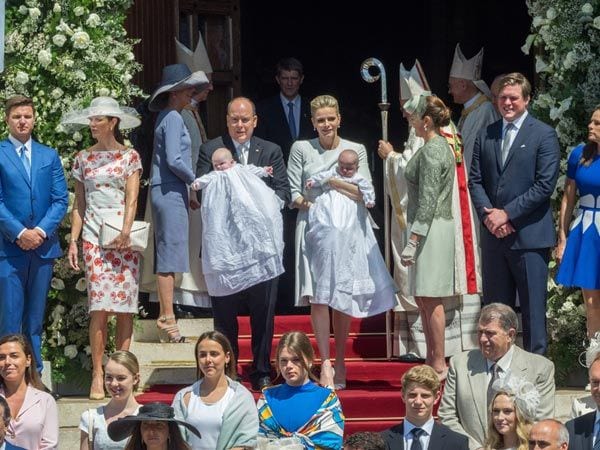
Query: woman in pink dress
{"points": [[107, 181]]}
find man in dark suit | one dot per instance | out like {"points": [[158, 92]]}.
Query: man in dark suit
{"points": [[584, 430], [283, 124], [261, 298], [276, 113], [33, 202], [513, 174], [419, 431]]}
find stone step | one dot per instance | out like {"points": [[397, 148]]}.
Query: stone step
{"points": [[145, 330], [69, 438]]}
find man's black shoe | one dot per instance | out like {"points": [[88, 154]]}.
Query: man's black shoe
{"points": [[410, 358], [261, 383]]}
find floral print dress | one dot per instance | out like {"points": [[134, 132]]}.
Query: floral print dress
{"points": [[111, 275]]}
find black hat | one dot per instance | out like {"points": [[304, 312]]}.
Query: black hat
{"points": [[153, 412]]}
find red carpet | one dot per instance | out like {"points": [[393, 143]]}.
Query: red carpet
{"points": [[372, 399]]}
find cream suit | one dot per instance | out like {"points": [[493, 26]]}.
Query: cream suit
{"points": [[464, 403]]}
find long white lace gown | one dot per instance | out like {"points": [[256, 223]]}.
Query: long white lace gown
{"points": [[350, 273]]}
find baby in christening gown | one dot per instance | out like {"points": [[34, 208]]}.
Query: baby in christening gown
{"points": [[350, 273], [242, 228]]}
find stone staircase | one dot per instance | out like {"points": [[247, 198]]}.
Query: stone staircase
{"points": [[371, 377]]}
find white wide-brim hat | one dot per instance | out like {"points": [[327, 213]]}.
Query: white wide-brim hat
{"points": [[174, 78], [102, 106]]}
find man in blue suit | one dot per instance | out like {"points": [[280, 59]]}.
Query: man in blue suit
{"points": [[33, 201], [513, 174]]}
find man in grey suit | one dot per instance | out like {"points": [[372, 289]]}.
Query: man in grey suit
{"points": [[261, 298], [513, 174], [584, 430], [464, 406], [419, 431]]}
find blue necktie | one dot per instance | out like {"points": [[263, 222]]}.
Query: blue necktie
{"points": [[416, 443], [25, 161], [292, 120], [597, 442]]}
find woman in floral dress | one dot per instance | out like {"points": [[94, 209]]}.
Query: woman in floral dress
{"points": [[107, 180]]}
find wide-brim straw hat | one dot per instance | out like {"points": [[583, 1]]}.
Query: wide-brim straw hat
{"points": [[102, 106], [152, 412], [174, 78]]}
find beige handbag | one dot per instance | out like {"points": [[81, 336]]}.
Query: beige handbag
{"points": [[112, 223]]}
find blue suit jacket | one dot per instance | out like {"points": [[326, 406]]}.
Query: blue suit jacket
{"points": [[28, 203], [581, 431], [522, 187], [442, 438]]}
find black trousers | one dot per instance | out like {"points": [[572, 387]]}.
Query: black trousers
{"points": [[260, 301]]}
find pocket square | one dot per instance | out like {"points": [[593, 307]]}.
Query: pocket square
{"points": [[522, 146]]}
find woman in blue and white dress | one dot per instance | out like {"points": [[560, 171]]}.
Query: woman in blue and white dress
{"points": [[578, 249]]}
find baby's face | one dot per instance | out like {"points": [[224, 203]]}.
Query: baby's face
{"points": [[347, 168], [223, 163]]}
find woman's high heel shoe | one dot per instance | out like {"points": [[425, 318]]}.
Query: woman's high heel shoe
{"points": [[168, 332], [97, 389]]}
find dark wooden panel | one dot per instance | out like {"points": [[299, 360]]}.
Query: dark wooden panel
{"points": [[152, 21]]}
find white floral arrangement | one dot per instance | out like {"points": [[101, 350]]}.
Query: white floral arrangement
{"points": [[63, 53], [523, 392], [565, 41]]}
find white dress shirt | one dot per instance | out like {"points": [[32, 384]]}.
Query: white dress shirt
{"points": [[425, 437]]}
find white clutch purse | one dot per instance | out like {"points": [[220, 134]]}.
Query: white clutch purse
{"points": [[112, 223]]}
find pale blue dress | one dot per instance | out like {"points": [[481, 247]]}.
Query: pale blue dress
{"points": [[169, 179]]}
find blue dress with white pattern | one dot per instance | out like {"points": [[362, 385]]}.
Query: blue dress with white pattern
{"points": [[580, 265]]}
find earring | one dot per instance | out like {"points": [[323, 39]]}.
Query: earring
{"points": [[425, 127]]}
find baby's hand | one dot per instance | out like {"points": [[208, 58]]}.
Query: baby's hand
{"points": [[269, 170], [370, 204], [195, 184], [309, 184]]}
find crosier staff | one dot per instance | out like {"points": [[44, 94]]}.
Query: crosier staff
{"points": [[384, 107]]}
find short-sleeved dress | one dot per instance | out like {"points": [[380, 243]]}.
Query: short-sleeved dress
{"points": [[111, 275], [580, 264], [430, 180], [102, 440]]}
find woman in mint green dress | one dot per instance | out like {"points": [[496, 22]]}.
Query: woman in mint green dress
{"points": [[429, 253]]}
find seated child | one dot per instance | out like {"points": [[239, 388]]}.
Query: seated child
{"points": [[350, 273], [242, 228]]}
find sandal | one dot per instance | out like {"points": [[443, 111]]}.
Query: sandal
{"points": [[168, 333], [327, 374]]}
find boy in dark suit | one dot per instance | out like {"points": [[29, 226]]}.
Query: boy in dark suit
{"points": [[419, 431]]}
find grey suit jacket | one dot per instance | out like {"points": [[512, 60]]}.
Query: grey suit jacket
{"points": [[464, 403]]}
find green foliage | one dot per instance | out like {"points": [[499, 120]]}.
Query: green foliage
{"points": [[63, 53]]}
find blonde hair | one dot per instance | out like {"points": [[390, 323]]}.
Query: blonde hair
{"points": [[494, 439], [324, 101], [422, 375], [299, 343], [129, 361]]}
